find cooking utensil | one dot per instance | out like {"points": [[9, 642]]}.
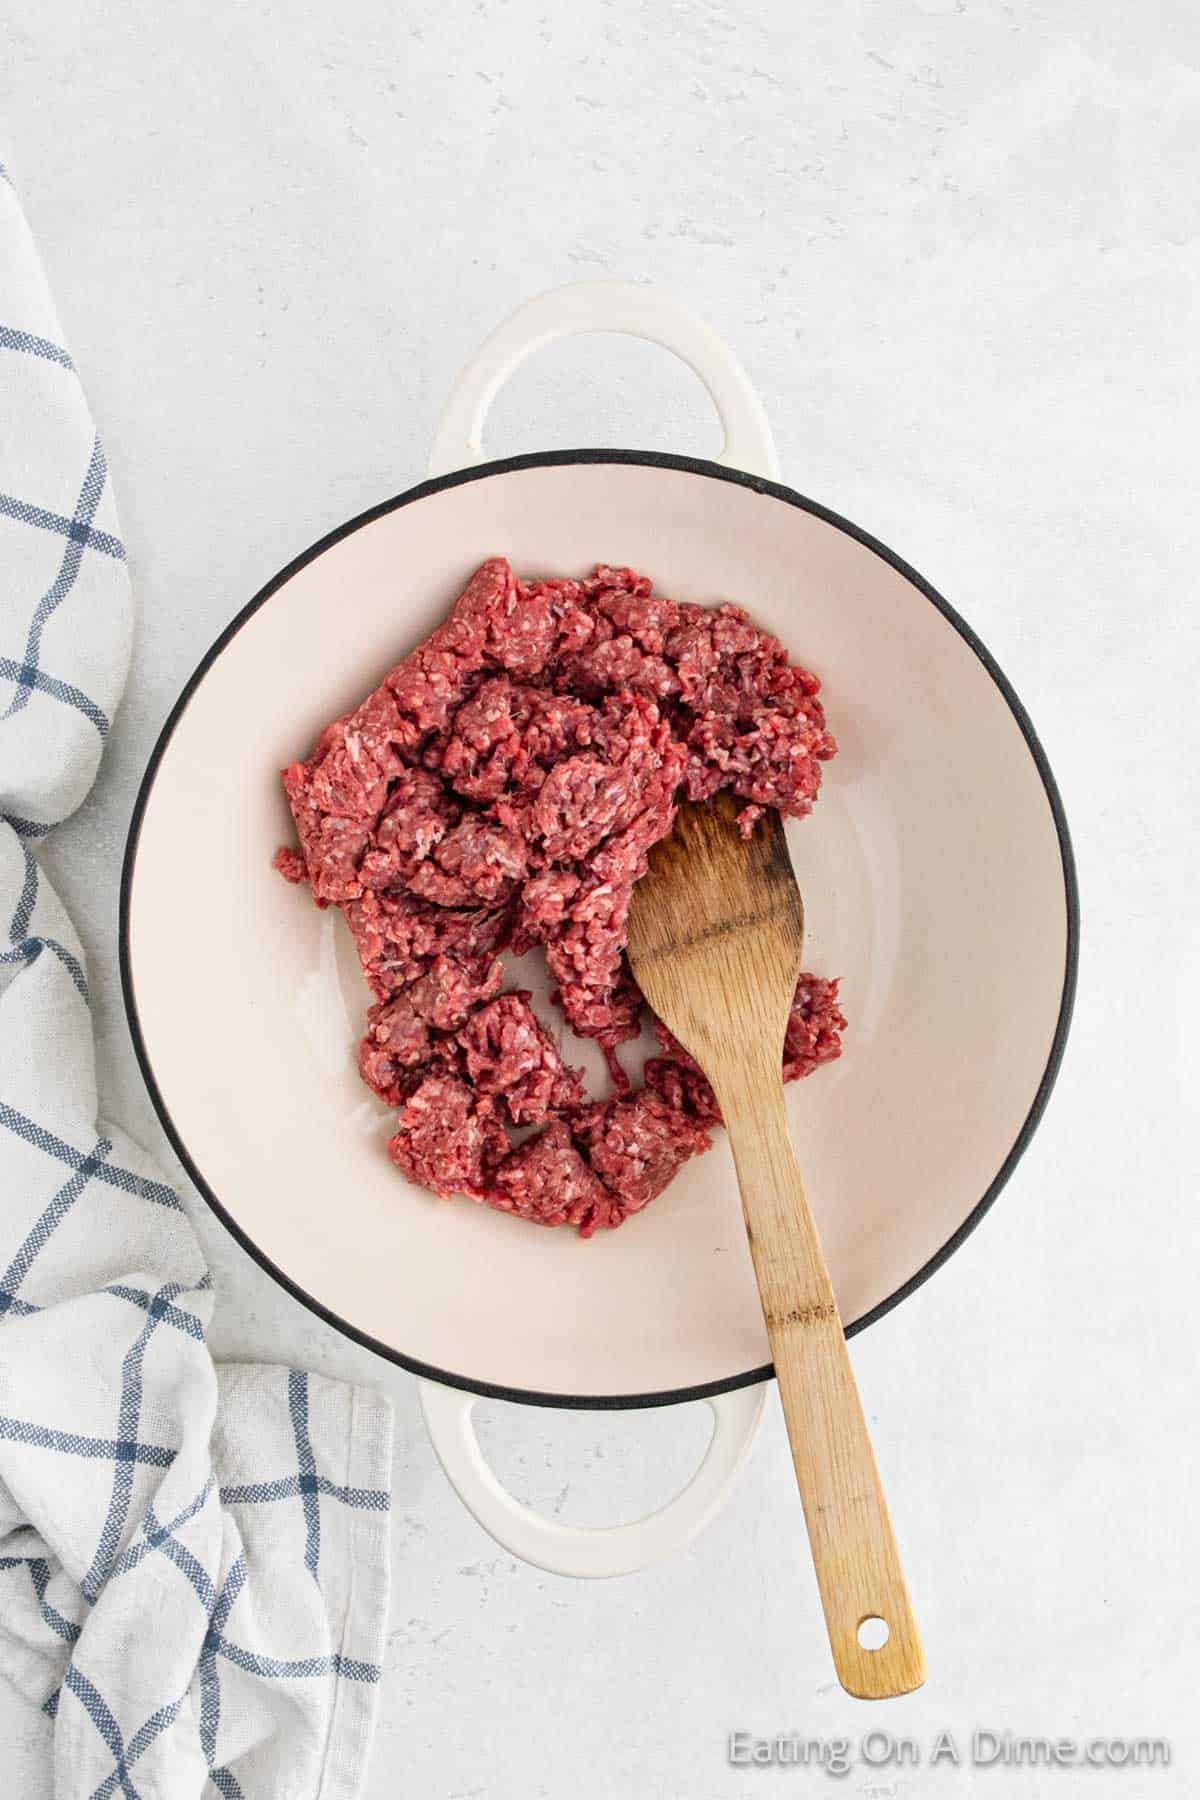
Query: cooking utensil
{"points": [[937, 847], [716, 935]]}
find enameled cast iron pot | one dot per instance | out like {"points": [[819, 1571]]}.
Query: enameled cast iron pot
{"points": [[937, 878]]}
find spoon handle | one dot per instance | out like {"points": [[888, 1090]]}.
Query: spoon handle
{"points": [[853, 1545]]}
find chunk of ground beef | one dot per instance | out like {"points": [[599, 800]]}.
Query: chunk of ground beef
{"points": [[500, 789], [448, 1139], [547, 1180], [636, 1145], [507, 1053]]}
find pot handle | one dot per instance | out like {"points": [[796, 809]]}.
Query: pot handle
{"points": [[589, 1550], [605, 306]]}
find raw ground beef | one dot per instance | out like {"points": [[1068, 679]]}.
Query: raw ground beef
{"points": [[500, 789]]}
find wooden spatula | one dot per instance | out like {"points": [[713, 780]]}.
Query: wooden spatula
{"points": [[716, 931]]}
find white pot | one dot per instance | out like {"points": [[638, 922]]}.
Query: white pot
{"points": [[937, 877]]}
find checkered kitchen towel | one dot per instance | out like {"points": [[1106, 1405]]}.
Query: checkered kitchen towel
{"points": [[193, 1561]]}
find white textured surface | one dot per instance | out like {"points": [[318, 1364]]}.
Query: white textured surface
{"points": [[956, 244]]}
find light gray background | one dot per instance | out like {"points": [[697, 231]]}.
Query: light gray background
{"points": [[956, 245]]}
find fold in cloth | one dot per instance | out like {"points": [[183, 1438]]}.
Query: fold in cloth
{"points": [[193, 1561]]}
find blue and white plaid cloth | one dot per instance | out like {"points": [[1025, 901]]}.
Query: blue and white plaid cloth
{"points": [[193, 1560]]}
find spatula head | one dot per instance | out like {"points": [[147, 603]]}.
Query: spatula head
{"points": [[716, 932]]}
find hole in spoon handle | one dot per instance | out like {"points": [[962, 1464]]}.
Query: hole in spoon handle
{"points": [[873, 1633]]}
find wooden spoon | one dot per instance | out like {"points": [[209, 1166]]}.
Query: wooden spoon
{"points": [[716, 931]]}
